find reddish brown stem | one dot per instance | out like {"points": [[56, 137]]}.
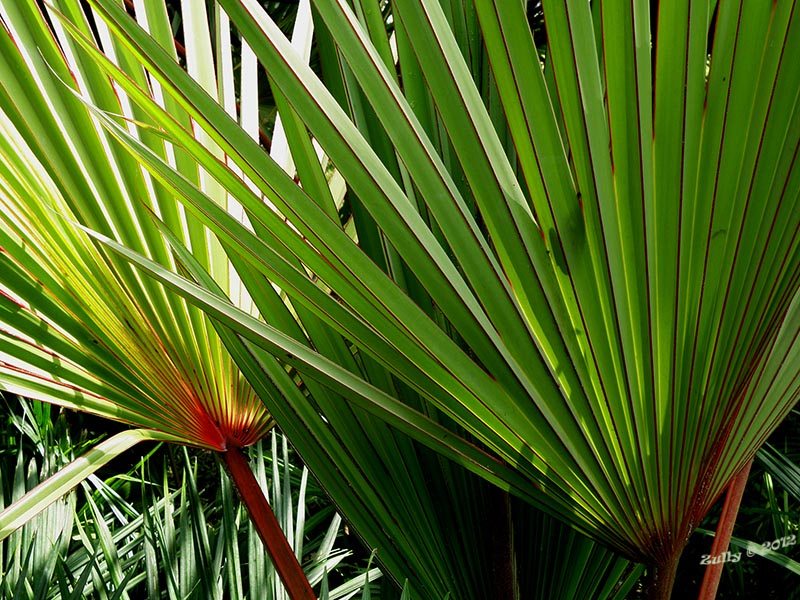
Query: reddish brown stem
{"points": [[283, 558], [661, 578], [733, 498]]}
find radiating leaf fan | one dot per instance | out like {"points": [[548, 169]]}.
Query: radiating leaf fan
{"points": [[576, 271]]}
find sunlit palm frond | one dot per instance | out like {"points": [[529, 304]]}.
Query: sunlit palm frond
{"points": [[577, 277], [79, 327]]}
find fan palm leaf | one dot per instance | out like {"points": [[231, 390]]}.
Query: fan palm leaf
{"points": [[587, 264], [376, 510], [79, 327], [116, 344]]}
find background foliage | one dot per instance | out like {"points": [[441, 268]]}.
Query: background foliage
{"points": [[166, 525]]}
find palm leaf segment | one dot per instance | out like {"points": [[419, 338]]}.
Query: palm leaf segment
{"points": [[79, 327]]}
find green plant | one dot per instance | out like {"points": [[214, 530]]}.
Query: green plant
{"points": [[157, 531], [82, 329], [576, 277], [29, 557]]}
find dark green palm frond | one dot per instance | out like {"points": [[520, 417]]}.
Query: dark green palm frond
{"points": [[578, 279]]}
